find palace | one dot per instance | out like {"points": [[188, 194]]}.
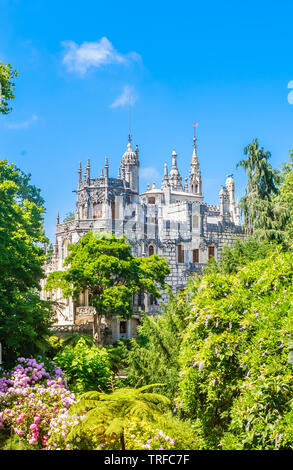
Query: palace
{"points": [[172, 221]]}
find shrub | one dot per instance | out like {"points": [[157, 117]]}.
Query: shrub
{"points": [[235, 382], [30, 396], [86, 367]]}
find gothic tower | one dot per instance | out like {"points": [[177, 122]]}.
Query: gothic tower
{"points": [[130, 167]]}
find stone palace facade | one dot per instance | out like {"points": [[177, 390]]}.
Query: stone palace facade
{"points": [[172, 221]]}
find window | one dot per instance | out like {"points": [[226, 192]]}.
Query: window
{"points": [[180, 254], [151, 200], [195, 221], [211, 252], [153, 300], [195, 255], [97, 211], [122, 327], [151, 250]]}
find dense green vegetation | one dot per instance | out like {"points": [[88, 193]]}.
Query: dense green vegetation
{"points": [[24, 318], [210, 371], [103, 264]]}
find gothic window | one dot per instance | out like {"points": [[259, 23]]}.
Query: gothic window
{"points": [[195, 255], [97, 211], [195, 221], [152, 200], [151, 250], [211, 252], [180, 253]]}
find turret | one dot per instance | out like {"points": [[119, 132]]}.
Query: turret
{"points": [[230, 185], [175, 179], [224, 203], [130, 167]]}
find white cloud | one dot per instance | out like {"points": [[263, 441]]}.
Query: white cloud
{"points": [[22, 124], [94, 54], [149, 173], [125, 98]]}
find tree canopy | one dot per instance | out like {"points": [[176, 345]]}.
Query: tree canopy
{"points": [[24, 318], [6, 87], [103, 264]]}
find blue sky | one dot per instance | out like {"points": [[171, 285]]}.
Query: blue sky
{"points": [[226, 65]]}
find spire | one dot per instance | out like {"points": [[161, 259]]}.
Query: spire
{"points": [[102, 173], [106, 168], [174, 176], [195, 176], [165, 180], [87, 173], [58, 218], [79, 173]]}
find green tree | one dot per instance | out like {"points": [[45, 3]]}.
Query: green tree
{"points": [[284, 199], [69, 216], [86, 367], [6, 87], [24, 318], [261, 217], [153, 356], [104, 266], [235, 382], [107, 415], [239, 255]]}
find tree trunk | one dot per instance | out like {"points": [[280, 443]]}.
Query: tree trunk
{"points": [[122, 442], [97, 329]]}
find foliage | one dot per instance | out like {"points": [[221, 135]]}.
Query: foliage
{"points": [[118, 354], [31, 395], [105, 266], [69, 216], [153, 356], [284, 199], [86, 367], [261, 216], [24, 318], [240, 254], [6, 87], [235, 383], [108, 415], [141, 435]]}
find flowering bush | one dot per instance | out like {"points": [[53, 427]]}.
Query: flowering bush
{"points": [[140, 435], [30, 397], [235, 382]]}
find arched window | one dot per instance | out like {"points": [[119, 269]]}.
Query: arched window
{"points": [[151, 250]]}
